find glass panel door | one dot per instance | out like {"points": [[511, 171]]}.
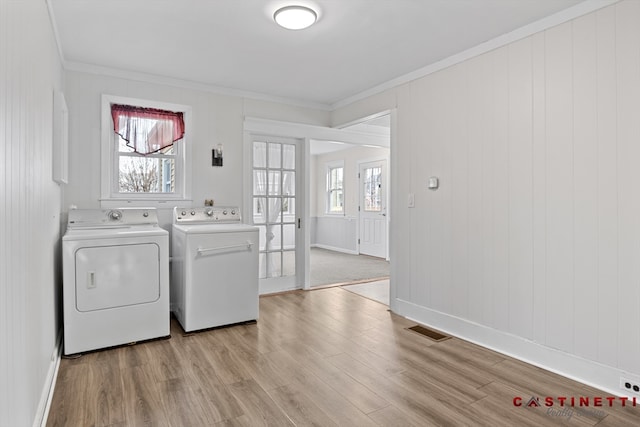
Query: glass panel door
{"points": [[274, 207]]}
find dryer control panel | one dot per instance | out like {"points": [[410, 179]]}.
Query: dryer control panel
{"points": [[207, 215]]}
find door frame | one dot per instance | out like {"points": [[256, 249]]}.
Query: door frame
{"points": [[253, 126]]}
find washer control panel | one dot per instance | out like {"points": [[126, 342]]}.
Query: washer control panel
{"points": [[207, 214], [103, 218]]}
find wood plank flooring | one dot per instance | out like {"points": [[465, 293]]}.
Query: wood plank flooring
{"points": [[325, 357]]}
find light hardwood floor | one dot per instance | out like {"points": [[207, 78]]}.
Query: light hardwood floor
{"points": [[324, 358]]}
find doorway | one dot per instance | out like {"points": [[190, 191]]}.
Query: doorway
{"points": [[286, 267], [349, 205]]}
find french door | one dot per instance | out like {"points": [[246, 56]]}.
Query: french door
{"points": [[275, 168]]}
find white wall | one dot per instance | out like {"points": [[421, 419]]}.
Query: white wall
{"points": [[30, 71], [530, 246], [339, 232], [217, 119]]}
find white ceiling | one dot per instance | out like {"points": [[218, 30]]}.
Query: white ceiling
{"points": [[234, 44]]}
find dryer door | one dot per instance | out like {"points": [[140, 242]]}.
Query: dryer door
{"points": [[117, 276]]}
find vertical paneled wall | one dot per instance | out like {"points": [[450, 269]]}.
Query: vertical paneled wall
{"points": [[535, 231], [29, 209]]}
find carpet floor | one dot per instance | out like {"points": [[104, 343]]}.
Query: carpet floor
{"points": [[330, 267]]}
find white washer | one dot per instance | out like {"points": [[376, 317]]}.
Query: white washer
{"points": [[115, 278], [214, 270]]}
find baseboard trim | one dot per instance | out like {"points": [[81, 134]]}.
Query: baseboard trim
{"points": [[46, 396], [335, 249], [588, 372]]}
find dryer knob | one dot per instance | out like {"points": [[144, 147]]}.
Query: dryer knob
{"points": [[193, 212], [224, 212], [145, 214], [210, 212], [233, 212], [184, 213]]}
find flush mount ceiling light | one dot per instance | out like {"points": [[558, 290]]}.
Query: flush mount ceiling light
{"points": [[295, 17]]}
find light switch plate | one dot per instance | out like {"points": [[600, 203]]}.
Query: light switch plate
{"points": [[411, 200], [433, 183]]}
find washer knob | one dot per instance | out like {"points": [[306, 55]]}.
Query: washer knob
{"points": [[145, 214], [184, 213], [210, 212], [193, 212], [224, 212], [115, 215], [233, 212]]}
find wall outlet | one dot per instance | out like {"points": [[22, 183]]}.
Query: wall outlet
{"points": [[630, 386]]}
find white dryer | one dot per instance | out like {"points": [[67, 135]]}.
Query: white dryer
{"points": [[214, 270], [115, 278]]}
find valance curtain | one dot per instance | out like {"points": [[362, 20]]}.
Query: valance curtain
{"points": [[147, 130]]}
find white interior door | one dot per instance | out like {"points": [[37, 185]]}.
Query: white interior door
{"points": [[276, 172], [373, 208]]}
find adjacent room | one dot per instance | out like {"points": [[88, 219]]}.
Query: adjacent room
{"points": [[317, 212]]}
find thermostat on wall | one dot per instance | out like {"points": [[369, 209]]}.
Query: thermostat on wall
{"points": [[433, 183]]}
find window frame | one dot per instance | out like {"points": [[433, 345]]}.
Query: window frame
{"points": [[110, 182], [329, 167]]}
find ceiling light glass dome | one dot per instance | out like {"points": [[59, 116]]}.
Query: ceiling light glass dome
{"points": [[295, 17]]}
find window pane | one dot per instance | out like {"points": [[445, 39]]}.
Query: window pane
{"points": [[262, 233], [275, 208], [289, 263], [289, 206], [259, 210], [335, 191], [372, 201], [146, 175], [262, 266], [288, 236], [274, 183], [289, 156], [336, 201], [274, 264], [274, 237], [259, 154], [275, 154], [259, 182], [288, 183]]}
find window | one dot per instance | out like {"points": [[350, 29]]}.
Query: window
{"points": [[144, 150], [372, 185], [335, 189]]}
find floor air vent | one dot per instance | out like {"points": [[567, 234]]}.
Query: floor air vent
{"points": [[429, 333]]}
